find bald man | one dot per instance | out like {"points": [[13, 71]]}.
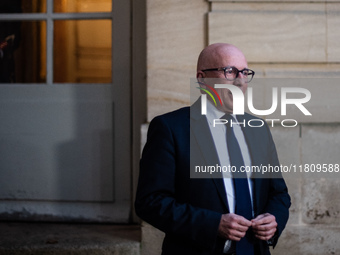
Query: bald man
{"points": [[230, 214]]}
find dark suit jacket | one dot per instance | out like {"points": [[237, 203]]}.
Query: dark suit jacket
{"points": [[188, 209]]}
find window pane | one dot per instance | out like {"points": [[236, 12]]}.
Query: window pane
{"points": [[82, 51], [82, 5], [22, 52], [22, 6]]}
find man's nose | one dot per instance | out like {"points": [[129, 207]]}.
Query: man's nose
{"points": [[240, 80], [240, 75]]}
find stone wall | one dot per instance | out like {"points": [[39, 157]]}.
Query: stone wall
{"points": [[293, 39], [176, 33]]}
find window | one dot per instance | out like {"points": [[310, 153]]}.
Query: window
{"points": [[65, 41]]}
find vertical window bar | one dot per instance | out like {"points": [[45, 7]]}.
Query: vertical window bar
{"points": [[49, 43]]}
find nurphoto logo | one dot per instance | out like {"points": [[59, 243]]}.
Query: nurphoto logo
{"points": [[239, 101]]}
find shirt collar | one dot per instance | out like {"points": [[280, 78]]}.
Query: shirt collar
{"points": [[214, 113]]}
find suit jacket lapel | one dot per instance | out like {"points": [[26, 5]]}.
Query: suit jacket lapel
{"points": [[200, 131]]}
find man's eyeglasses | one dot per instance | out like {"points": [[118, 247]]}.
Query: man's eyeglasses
{"points": [[231, 73]]}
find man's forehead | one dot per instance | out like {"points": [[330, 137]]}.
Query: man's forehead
{"points": [[238, 61]]}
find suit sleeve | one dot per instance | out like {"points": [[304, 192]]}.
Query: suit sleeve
{"points": [[156, 200]]}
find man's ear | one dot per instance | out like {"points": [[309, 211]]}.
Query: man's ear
{"points": [[200, 78]]}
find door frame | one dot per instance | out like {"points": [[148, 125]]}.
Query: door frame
{"points": [[129, 75]]}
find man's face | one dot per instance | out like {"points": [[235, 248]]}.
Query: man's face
{"points": [[236, 59]]}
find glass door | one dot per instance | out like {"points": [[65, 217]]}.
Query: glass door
{"points": [[65, 110]]}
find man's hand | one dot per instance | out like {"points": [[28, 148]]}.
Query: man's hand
{"points": [[264, 226], [233, 226]]}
